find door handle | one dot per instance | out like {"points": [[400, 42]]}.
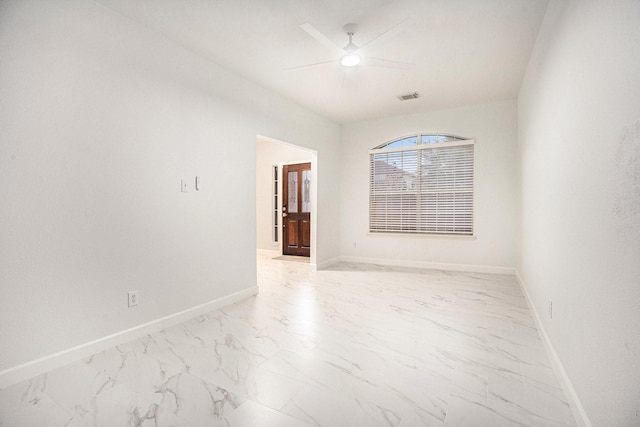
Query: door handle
{"points": [[284, 214]]}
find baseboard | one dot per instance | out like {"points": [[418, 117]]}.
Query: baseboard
{"points": [[430, 265], [268, 252], [328, 263], [44, 364], [574, 401]]}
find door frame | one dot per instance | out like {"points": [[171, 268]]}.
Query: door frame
{"points": [[314, 193]]}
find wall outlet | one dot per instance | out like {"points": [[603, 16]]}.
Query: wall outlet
{"points": [[550, 309], [133, 298]]}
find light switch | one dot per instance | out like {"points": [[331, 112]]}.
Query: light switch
{"points": [[183, 186]]}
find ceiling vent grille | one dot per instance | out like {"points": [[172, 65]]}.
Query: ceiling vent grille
{"points": [[408, 96]]}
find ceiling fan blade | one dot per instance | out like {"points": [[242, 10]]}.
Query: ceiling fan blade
{"points": [[313, 32], [386, 63], [309, 65], [391, 32]]}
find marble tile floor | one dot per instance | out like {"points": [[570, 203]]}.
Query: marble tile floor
{"points": [[353, 345]]}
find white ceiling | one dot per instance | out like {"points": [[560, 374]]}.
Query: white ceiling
{"points": [[465, 51]]}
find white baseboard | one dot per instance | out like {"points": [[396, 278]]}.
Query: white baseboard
{"points": [[44, 364], [574, 402], [328, 263], [430, 265], [268, 252]]}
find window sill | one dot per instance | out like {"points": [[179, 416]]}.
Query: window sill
{"points": [[424, 235]]}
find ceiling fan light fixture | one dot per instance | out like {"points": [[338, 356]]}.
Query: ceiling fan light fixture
{"points": [[350, 60]]}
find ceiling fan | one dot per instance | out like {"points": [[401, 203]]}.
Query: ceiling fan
{"points": [[351, 54]]}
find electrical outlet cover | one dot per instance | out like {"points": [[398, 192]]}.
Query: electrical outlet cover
{"points": [[132, 298]]}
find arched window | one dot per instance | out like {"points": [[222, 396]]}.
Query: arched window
{"points": [[422, 184]]}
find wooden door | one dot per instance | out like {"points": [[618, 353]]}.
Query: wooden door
{"points": [[296, 209]]}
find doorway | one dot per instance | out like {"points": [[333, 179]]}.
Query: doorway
{"points": [[296, 209], [272, 155]]}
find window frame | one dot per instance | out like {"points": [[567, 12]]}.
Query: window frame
{"points": [[418, 226], [275, 205]]}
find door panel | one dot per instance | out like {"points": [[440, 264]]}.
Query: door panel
{"points": [[292, 233], [296, 210], [306, 234]]}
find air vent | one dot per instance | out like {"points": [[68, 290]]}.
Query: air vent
{"points": [[408, 96]]}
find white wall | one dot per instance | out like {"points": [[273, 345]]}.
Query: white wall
{"points": [[493, 126], [579, 156], [268, 154], [100, 118]]}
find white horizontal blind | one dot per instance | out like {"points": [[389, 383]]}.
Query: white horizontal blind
{"points": [[422, 189]]}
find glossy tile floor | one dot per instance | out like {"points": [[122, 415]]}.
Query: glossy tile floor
{"points": [[354, 345]]}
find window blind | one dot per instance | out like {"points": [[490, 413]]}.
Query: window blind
{"points": [[422, 189]]}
